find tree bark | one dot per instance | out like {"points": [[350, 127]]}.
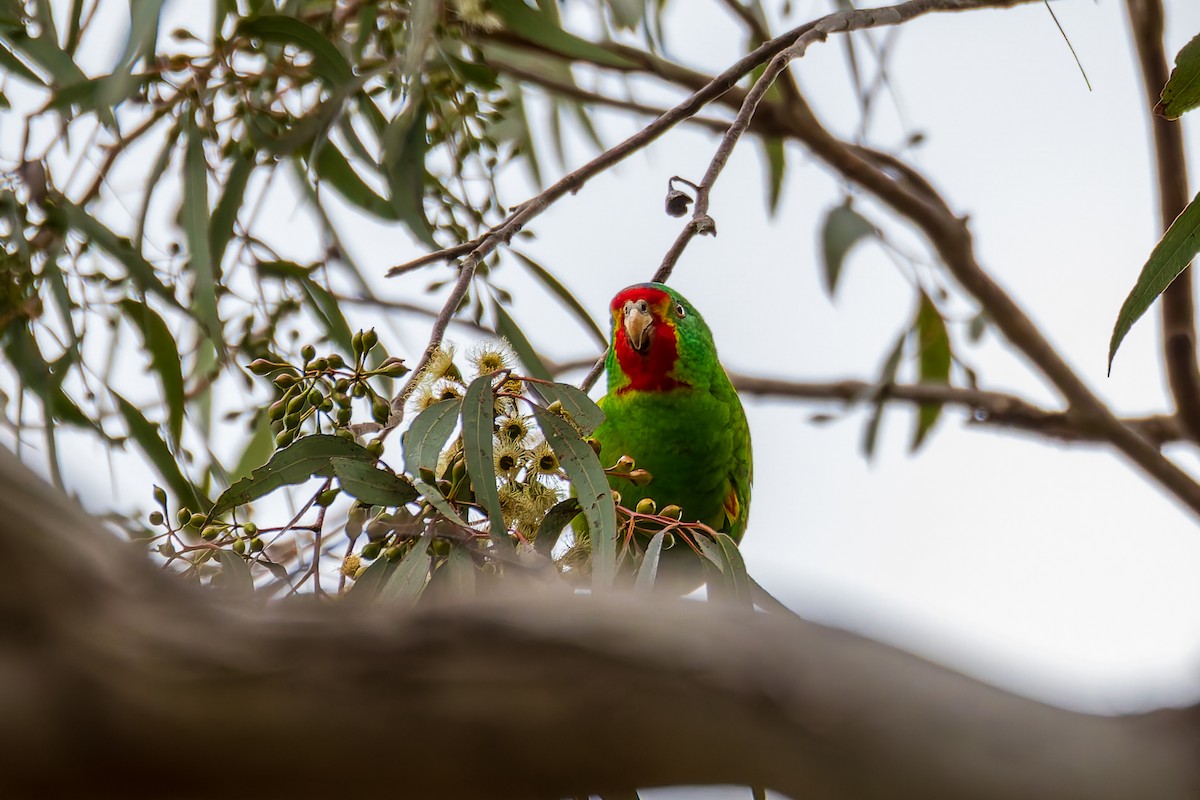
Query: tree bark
{"points": [[118, 680]]}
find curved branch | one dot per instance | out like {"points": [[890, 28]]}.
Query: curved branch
{"points": [[1178, 312], [122, 681]]}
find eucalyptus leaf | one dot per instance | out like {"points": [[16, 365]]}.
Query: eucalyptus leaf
{"points": [[478, 429], [590, 485], [1168, 259], [1182, 91], [842, 229], [296, 463]]}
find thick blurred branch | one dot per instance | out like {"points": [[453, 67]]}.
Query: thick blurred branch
{"points": [[1178, 312], [117, 676]]}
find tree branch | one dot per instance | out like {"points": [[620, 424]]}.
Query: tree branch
{"points": [[989, 408], [572, 182], [117, 677], [1178, 313]]}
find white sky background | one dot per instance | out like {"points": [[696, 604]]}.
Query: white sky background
{"points": [[1054, 571]]}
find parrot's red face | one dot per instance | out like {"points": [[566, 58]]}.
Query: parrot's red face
{"points": [[644, 338]]}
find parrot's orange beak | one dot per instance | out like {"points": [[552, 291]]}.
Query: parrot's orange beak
{"points": [[639, 323]]}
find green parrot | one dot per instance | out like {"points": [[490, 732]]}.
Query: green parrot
{"points": [[671, 408]]}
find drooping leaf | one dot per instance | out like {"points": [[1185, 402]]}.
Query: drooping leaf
{"points": [[776, 160], [478, 427], [565, 297], [1182, 92], [332, 167], [591, 487], [140, 270], [1169, 257], [146, 435], [328, 62], [507, 327], [723, 553], [236, 578], [220, 227], [258, 449], [164, 359], [193, 216], [456, 575], [39, 377], [423, 443], [372, 485], [887, 376], [405, 145], [410, 577], [580, 409], [296, 463], [551, 527], [648, 571], [542, 29], [935, 359], [366, 587], [627, 14], [843, 228]]}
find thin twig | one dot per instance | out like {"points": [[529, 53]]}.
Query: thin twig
{"points": [[839, 22], [572, 182]]}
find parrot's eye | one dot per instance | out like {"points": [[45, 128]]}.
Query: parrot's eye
{"points": [[643, 306], [680, 310]]}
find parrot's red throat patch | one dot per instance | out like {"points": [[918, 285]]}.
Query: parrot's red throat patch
{"points": [[648, 366]]}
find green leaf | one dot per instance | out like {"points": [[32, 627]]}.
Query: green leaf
{"points": [[541, 29], [220, 227], [405, 146], [372, 485], [322, 303], [140, 270], [423, 443], [590, 485], [478, 428], [152, 180], [776, 161], [648, 571], [236, 578], [146, 435], [40, 378], [258, 449], [565, 297], [296, 463], [507, 327], [1182, 92], [583, 412], [410, 577], [158, 342], [193, 217], [935, 358], [551, 527], [887, 376], [627, 14], [331, 166], [457, 573], [1169, 257], [843, 228], [366, 587], [328, 63], [723, 553], [13, 66]]}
